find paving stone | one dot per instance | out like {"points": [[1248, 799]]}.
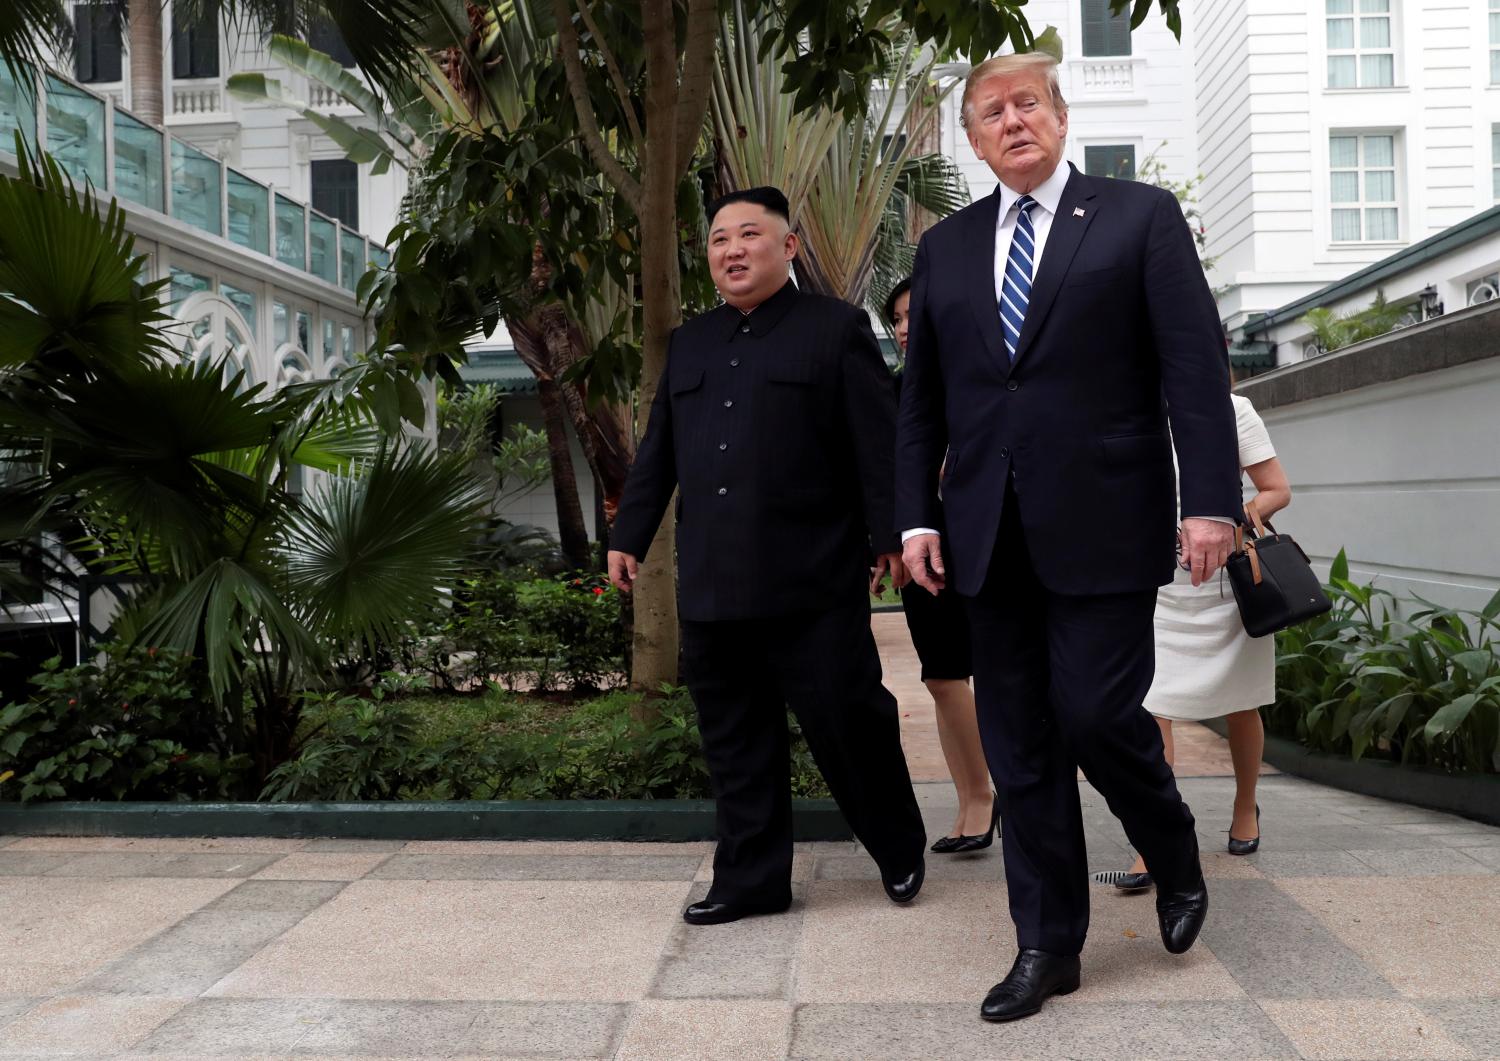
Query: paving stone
{"points": [[10, 1008], [1311, 864], [1371, 838], [1066, 1028], [16, 862], [1489, 855], [1275, 948], [537, 867], [595, 941], [80, 1025], [162, 845], [193, 955], [57, 930], [1354, 1028], [752, 958], [266, 895], [1474, 1022], [145, 864], [397, 1028], [315, 866], [545, 1029], [1423, 862], [340, 846], [701, 1030], [216, 1027], [984, 866], [1430, 937]]}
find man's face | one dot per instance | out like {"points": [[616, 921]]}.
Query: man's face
{"points": [[748, 249], [1014, 128]]}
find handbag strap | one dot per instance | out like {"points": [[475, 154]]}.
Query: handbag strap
{"points": [[1255, 576], [1254, 514]]}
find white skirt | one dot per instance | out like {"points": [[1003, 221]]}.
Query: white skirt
{"points": [[1206, 665]]}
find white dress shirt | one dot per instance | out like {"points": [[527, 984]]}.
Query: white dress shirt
{"points": [[1048, 195]]}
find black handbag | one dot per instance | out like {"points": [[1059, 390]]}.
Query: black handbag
{"points": [[1273, 581]]}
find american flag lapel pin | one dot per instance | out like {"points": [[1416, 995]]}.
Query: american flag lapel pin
{"points": [[1077, 211]]}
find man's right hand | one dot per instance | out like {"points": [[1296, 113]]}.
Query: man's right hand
{"points": [[622, 570], [923, 556]]}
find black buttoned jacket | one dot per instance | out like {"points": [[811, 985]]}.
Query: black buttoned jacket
{"points": [[777, 429]]}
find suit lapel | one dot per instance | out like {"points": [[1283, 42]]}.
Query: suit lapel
{"points": [[980, 267], [1068, 228]]}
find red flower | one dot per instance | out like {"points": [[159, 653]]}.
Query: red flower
{"points": [[151, 652], [179, 758], [72, 703], [598, 592]]}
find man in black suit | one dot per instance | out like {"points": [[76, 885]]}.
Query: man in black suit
{"points": [[775, 424], [1057, 327]]}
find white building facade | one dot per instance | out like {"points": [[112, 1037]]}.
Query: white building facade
{"points": [[269, 143], [1334, 133]]}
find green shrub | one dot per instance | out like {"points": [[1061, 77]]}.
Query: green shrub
{"points": [[136, 726], [613, 747], [1366, 680], [537, 633]]}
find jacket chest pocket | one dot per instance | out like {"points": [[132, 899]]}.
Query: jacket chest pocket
{"points": [[793, 373], [685, 382]]}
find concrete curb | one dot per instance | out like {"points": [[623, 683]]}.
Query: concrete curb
{"points": [[813, 819], [1475, 796]]}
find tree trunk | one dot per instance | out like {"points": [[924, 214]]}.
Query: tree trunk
{"points": [[927, 139], [146, 60], [572, 532]]}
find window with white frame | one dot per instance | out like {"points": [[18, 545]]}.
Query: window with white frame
{"points": [[1104, 32], [1495, 42], [1362, 187], [1361, 44], [1495, 160]]}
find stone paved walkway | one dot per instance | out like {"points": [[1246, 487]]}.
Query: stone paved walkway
{"points": [[1364, 929]]}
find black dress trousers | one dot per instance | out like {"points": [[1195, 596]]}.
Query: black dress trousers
{"points": [[1059, 681], [743, 675]]}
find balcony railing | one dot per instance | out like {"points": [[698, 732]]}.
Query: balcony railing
{"points": [[198, 98], [1106, 77], [97, 142]]}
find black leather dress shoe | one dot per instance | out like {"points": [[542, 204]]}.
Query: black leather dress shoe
{"points": [[705, 912], [903, 889], [1181, 914], [944, 844], [1133, 882], [1035, 977]]}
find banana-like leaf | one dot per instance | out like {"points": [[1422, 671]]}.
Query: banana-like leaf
{"points": [[28, 28], [359, 144]]}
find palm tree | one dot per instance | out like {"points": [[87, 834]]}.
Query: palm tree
{"points": [[191, 502]]}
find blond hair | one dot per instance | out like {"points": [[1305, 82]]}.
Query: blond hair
{"points": [[1006, 65]]}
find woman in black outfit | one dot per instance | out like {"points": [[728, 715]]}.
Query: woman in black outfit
{"points": [[940, 632]]}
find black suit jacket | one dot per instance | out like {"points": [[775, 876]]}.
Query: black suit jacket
{"points": [[1120, 332], [777, 430]]}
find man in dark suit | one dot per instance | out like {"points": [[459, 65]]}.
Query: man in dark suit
{"points": [[775, 424], [1057, 327]]}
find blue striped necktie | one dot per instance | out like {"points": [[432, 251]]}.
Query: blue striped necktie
{"points": [[1015, 289]]}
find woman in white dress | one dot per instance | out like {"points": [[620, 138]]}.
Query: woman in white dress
{"points": [[1206, 665]]}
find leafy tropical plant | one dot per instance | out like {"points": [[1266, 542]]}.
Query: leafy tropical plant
{"points": [[1365, 679], [1332, 330]]}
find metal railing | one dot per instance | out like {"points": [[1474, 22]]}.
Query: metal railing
{"points": [[97, 142]]}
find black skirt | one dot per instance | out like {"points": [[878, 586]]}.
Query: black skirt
{"points": [[940, 631]]}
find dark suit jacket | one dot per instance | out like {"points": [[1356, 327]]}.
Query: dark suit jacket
{"points": [[777, 429], [1120, 330]]}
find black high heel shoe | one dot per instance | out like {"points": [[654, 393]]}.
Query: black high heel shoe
{"points": [[1247, 847], [958, 845]]}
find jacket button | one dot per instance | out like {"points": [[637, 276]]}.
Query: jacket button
{"points": [[734, 362], [723, 445], [744, 328], [729, 403], [1004, 452], [723, 490], [1012, 385]]}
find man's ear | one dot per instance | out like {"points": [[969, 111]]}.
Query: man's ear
{"points": [[793, 244]]}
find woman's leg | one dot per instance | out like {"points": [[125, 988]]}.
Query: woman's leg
{"points": [[958, 734], [1247, 743], [1165, 724]]}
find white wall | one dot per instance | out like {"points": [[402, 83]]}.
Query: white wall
{"points": [[1405, 476]]}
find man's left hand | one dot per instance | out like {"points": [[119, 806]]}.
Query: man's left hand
{"points": [[888, 562], [1206, 545]]}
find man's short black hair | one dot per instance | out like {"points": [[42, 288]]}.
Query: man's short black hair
{"points": [[901, 288], [773, 199]]}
